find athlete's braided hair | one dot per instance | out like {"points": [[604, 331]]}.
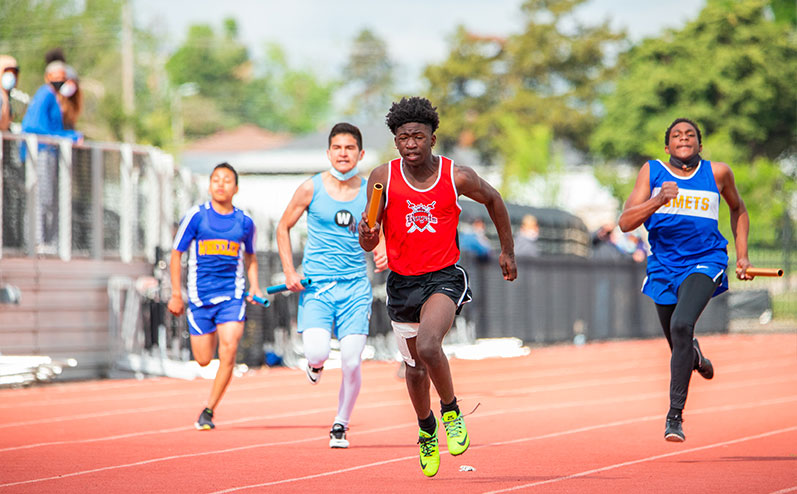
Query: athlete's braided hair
{"points": [[414, 109], [676, 122]]}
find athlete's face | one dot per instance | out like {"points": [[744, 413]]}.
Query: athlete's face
{"points": [[683, 141], [343, 152], [414, 142], [222, 185]]}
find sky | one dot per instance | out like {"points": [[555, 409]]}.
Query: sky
{"points": [[318, 34]]}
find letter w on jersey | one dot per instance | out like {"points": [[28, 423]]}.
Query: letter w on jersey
{"points": [[421, 218], [700, 203]]}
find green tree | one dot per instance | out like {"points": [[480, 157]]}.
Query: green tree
{"points": [[732, 70], [295, 99], [552, 74], [369, 76], [235, 89]]}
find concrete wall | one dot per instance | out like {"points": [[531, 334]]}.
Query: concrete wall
{"points": [[63, 312]]}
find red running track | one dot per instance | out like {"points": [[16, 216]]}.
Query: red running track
{"points": [[563, 419]]}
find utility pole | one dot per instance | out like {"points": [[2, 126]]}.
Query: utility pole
{"points": [[128, 90]]}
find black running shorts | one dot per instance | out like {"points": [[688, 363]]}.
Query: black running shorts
{"points": [[407, 294]]}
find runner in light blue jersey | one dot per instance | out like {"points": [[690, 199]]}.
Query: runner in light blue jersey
{"points": [[679, 201], [338, 302], [220, 241]]}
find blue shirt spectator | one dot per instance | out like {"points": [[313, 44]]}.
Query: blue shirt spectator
{"points": [[44, 115], [474, 240]]}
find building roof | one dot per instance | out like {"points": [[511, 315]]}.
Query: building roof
{"points": [[247, 137]]}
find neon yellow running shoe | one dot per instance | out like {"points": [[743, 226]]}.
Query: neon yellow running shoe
{"points": [[456, 433], [430, 452]]}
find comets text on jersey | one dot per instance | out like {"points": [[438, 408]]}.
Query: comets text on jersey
{"points": [[699, 203]]}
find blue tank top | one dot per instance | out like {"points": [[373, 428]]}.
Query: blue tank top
{"points": [[685, 231], [333, 248], [216, 244]]}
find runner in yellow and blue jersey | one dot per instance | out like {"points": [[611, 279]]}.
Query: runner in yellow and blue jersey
{"points": [[220, 241], [679, 201]]}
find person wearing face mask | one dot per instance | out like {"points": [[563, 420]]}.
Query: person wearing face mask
{"points": [[8, 80], [70, 99], [44, 115], [338, 302], [678, 201]]}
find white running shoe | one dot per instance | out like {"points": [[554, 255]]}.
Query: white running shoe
{"points": [[314, 374], [337, 437]]}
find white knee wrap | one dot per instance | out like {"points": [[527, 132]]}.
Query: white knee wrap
{"points": [[403, 332]]}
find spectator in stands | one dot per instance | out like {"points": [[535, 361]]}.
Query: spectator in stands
{"points": [[473, 238], [8, 80], [70, 99], [632, 244], [44, 115], [526, 238], [604, 244]]}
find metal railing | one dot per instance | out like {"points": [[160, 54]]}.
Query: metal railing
{"points": [[96, 199]]}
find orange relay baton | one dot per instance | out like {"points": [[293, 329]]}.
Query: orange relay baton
{"points": [[774, 272], [376, 198]]}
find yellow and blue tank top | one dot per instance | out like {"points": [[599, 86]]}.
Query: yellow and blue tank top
{"points": [[333, 248], [216, 244], [685, 231]]}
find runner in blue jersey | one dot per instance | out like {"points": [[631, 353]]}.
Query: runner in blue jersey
{"points": [[220, 241], [338, 302], [679, 201]]}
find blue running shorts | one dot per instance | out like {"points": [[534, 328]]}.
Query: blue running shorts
{"points": [[203, 319], [662, 282], [341, 306]]}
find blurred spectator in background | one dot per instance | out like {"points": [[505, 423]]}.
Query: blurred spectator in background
{"points": [[603, 242], [473, 239], [8, 80], [633, 245], [44, 114], [526, 238], [608, 242], [70, 99]]}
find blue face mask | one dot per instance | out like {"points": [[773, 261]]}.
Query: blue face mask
{"points": [[8, 80], [343, 176]]}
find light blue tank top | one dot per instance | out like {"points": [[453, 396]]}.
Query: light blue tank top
{"points": [[333, 249], [685, 231]]}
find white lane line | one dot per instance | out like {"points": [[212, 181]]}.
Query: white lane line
{"points": [[266, 398], [288, 414], [287, 397], [643, 460], [546, 436], [46, 401], [395, 426], [532, 408], [784, 491], [731, 369], [638, 366]]}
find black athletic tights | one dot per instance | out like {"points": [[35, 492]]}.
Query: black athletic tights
{"points": [[678, 321]]}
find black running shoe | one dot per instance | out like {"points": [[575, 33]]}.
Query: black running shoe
{"points": [[673, 431], [205, 420], [703, 366], [337, 437]]}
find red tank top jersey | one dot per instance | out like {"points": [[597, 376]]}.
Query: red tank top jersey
{"points": [[421, 225]]}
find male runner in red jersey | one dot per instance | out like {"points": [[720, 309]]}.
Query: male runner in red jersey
{"points": [[419, 214]]}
